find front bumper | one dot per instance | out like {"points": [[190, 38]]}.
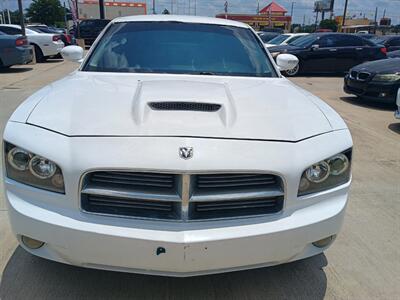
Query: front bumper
{"points": [[110, 244], [191, 248], [382, 92]]}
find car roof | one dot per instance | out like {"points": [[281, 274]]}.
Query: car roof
{"points": [[11, 25], [183, 19]]}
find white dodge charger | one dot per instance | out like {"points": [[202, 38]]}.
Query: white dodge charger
{"points": [[177, 148]]}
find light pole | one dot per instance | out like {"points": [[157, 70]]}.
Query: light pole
{"points": [[21, 17], [154, 7], [344, 14], [291, 15]]}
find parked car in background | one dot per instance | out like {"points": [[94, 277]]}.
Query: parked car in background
{"points": [[394, 54], [330, 52], [285, 39], [391, 42], [14, 50], [46, 44], [181, 151], [67, 39], [397, 112], [89, 30], [267, 36], [376, 81]]}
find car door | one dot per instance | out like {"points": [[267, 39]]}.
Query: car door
{"points": [[320, 56], [350, 52]]}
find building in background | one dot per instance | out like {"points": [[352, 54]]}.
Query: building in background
{"points": [[271, 16], [354, 25], [89, 9]]}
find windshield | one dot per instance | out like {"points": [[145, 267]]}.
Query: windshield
{"points": [[180, 48], [304, 41], [279, 39]]}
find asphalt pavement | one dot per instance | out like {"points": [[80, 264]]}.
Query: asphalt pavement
{"points": [[363, 263]]}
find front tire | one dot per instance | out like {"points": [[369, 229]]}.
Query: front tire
{"points": [[293, 72]]}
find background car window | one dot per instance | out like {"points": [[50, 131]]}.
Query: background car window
{"points": [[340, 41], [305, 41], [279, 39], [293, 38], [327, 41], [395, 42], [180, 48], [10, 30]]}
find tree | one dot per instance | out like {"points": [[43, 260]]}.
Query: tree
{"points": [[45, 12], [329, 24]]}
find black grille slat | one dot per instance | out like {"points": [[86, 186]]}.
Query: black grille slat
{"points": [[231, 209], [143, 180], [131, 207], [234, 205], [235, 180], [185, 106]]}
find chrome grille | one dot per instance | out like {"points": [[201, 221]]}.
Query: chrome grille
{"points": [[181, 197]]}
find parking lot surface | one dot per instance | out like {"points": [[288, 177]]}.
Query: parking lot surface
{"points": [[364, 263]]}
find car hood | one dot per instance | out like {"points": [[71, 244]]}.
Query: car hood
{"points": [[105, 104], [383, 66]]}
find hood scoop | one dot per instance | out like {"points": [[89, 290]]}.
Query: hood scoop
{"points": [[179, 98], [185, 106]]}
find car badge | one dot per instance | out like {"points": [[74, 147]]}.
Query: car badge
{"points": [[186, 152]]}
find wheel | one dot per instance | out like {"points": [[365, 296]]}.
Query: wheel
{"points": [[38, 54], [293, 72]]}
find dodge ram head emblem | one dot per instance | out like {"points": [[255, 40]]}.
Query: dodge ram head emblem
{"points": [[186, 152]]}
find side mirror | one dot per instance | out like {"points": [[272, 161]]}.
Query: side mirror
{"points": [[72, 53], [314, 47], [286, 62]]}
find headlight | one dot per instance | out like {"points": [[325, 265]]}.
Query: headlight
{"points": [[31, 169], [326, 174], [386, 77]]}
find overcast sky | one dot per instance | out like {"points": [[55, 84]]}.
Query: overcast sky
{"points": [[301, 7]]}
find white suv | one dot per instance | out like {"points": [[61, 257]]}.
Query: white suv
{"points": [[45, 44], [177, 149]]}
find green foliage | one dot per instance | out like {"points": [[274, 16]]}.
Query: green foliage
{"points": [[45, 12], [329, 24]]}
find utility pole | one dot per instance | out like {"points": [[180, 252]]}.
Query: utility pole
{"points": [[258, 7], [316, 20], [154, 7], [65, 18], [101, 7], [376, 18], [344, 14], [8, 12], [21, 17], [291, 15]]}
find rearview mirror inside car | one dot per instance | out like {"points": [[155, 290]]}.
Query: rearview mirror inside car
{"points": [[72, 53], [286, 61]]}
